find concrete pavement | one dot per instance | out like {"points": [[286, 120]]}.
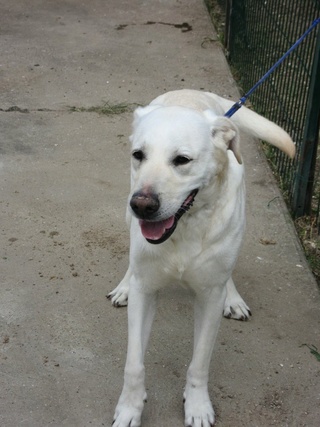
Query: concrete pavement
{"points": [[64, 244]]}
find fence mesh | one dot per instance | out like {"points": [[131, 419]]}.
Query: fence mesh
{"points": [[259, 32]]}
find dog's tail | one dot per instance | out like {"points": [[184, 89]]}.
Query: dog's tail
{"points": [[258, 126]]}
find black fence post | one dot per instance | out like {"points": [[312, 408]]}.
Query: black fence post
{"points": [[302, 195], [228, 28]]}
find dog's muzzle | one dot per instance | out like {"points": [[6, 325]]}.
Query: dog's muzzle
{"points": [[145, 206]]}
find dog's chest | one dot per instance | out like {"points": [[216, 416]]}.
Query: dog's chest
{"points": [[200, 258], [176, 265], [180, 257]]}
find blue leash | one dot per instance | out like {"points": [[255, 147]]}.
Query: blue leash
{"points": [[242, 100]]}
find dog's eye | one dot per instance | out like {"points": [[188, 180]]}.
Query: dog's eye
{"points": [[138, 155], [181, 160]]}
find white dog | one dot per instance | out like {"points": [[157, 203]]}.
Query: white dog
{"points": [[187, 218]]}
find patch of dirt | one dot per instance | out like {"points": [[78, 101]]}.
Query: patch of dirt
{"points": [[101, 238], [308, 232]]}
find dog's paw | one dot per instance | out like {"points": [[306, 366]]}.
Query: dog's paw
{"points": [[129, 409], [236, 308], [119, 296], [198, 408], [127, 417]]}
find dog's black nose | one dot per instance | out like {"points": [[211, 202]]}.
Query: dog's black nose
{"points": [[144, 205]]}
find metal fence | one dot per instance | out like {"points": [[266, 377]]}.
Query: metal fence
{"points": [[258, 33]]}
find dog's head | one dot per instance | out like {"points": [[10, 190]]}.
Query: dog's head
{"points": [[176, 153]]}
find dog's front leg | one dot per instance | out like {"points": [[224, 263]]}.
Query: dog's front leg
{"points": [[119, 296], [141, 310], [208, 313]]}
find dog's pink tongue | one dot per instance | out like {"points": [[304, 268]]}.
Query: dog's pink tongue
{"points": [[155, 230]]}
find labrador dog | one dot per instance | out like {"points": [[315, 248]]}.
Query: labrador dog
{"points": [[186, 213]]}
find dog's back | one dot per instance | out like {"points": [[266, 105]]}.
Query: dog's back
{"points": [[247, 120]]}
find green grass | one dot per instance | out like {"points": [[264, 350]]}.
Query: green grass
{"points": [[106, 109], [313, 350]]}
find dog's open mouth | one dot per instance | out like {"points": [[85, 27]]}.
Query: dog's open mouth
{"points": [[159, 231]]}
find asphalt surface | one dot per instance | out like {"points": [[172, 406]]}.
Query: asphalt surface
{"points": [[64, 180]]}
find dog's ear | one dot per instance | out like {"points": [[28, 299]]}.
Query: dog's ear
{"points": [[139, 113], [227, 131], [142, 111]]}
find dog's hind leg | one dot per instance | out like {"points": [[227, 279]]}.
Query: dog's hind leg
{"points": [[208, 313], [119, 296], [141, 310], [235, 307]]}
